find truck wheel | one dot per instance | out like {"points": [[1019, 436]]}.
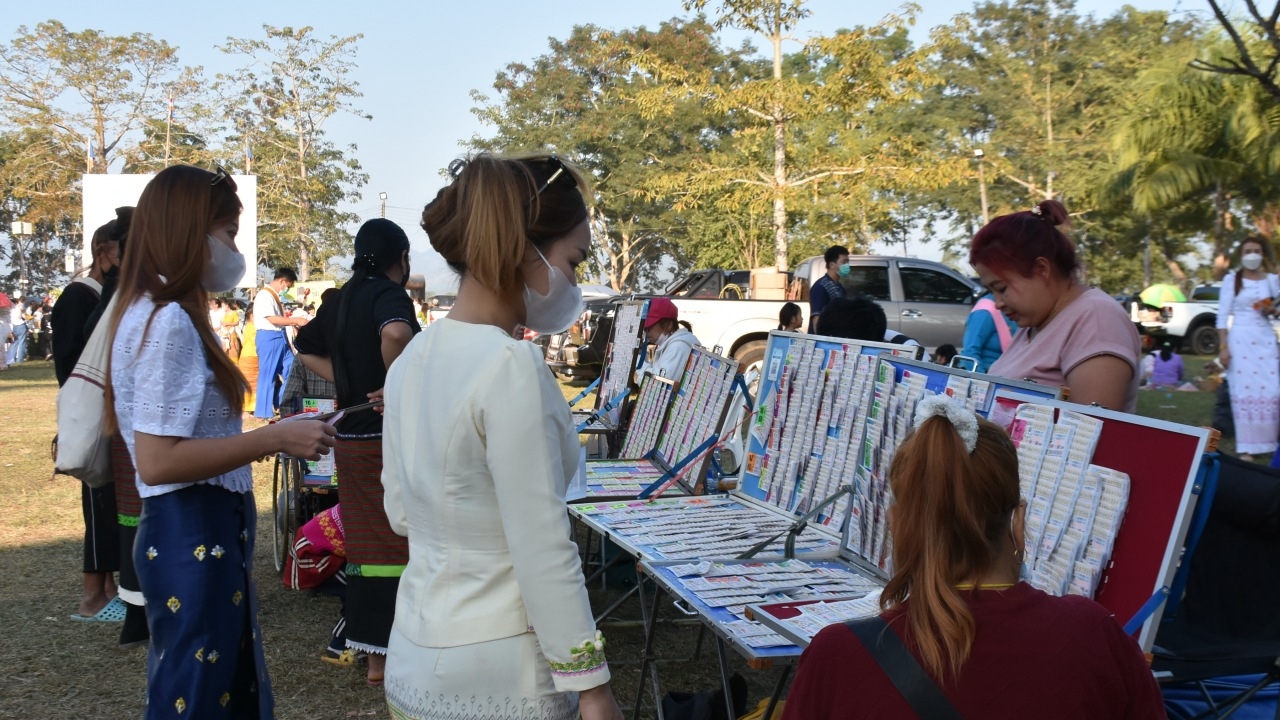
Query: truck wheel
{"points": [[750, 354], [1204, 340]]}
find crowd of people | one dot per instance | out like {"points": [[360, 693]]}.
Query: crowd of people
{"points": [[463, 587]]}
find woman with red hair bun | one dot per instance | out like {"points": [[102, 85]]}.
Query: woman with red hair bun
{"points": [[1069, 335]]}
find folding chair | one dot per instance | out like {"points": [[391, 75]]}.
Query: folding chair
{"points": [[1228, 623]]}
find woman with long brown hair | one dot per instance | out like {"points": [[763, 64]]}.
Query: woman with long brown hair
{"points": [[176, 399], [995, 647], [492, 618]]}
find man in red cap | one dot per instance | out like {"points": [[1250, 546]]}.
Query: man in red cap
{"points": [[671, 340]]}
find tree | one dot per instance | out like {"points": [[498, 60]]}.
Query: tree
{"points": [[806, 136], [72, 101], [91, 90], [293, 82], [1211, 141], [581, 100], [1256, 48], [32, 174], [1035, 86]]}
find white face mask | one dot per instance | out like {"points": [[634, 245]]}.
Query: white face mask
{"points": [[1251, 261], [225, 268], [558, 309]]}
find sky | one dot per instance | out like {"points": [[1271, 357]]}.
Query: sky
{"points": [[419, 62]]}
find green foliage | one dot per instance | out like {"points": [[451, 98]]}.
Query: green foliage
{"points": [[1195, 140], [290, 86], [587, 100]]}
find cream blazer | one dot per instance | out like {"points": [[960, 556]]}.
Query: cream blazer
{"points": [[478, 450]]}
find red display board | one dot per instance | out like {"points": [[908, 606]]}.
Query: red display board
{"points": [[1162, 461]]}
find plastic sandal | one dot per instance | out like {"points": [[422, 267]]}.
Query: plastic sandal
{"points": [[344, 658], [112, 612]]}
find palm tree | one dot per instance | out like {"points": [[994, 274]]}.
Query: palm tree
{"points": [[1187, 136]]}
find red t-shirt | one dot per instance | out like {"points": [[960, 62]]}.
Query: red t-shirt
{"points": [[1034, 656]]}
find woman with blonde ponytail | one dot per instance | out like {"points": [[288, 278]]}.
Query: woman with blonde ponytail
{"points": [[492, 618], [994, 646]]}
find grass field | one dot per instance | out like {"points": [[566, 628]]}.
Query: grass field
{"points": [[59, 668]]}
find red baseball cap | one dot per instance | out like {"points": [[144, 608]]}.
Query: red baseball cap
{"points": [[660, 308]]}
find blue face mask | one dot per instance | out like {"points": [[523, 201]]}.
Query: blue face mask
{"points": [[844, 271]]}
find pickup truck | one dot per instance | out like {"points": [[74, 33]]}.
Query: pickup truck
{"points": [[924, 300], [1191, 324]]}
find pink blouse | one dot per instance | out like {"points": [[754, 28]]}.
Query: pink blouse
{"points": [[1091, 325]]}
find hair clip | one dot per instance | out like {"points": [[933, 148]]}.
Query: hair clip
{"points": [[1037, 211]]}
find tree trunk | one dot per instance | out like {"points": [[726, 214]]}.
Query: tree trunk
{"points": [[304, 237], [1221, 250], [304, 261], [779, 166]]}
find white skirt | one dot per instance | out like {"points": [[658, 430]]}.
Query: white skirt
{"points": [[495, 680]]}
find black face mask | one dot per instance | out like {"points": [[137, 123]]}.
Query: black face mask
{"points": [[404, 279]]}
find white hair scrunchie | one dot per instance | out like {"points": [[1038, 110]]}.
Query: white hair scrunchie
{"points": [[964, 421]]}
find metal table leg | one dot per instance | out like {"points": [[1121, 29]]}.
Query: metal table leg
{"points": [[648, 662], [618, 603], [777, 692], [621, 558], [724, 678]]}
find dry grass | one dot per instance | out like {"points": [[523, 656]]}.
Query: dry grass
{"points": [[59, 668]]}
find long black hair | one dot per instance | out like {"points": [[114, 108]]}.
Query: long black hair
{"points": [[789, 312], [380, 244]]}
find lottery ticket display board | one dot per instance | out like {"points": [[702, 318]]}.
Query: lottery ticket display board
{"points": [[835, 405], [685, 528], [672, 422], [810, 410], [897, 385], [1110, 498], [720, 591], [619, 369]]}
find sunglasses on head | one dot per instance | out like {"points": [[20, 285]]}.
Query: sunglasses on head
{"points": [[220, 175], [560, 170]]}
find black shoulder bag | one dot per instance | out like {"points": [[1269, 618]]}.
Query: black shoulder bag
{"points": [[897, 662]]}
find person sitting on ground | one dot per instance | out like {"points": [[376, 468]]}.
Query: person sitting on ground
{"points": [[1166, 371], [672, 339], [790, 318], [995, 647], [858, 317], [944, 354]]}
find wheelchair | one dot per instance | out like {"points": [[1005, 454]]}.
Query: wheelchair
{"points": [[296, 497]]}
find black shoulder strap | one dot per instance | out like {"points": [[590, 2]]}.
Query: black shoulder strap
{"points": [[917, 688], [899, 339]]}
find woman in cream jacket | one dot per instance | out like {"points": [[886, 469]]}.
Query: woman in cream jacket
{"points": [[492, 617]]}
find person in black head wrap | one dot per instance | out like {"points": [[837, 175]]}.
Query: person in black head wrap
{"points": [[352, 341]]}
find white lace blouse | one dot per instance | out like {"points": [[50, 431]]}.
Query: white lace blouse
{"points": [[164, 386]]}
